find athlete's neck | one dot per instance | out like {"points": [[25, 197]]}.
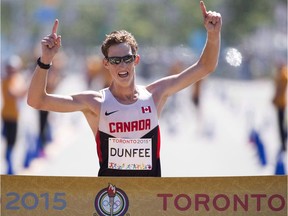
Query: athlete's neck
{"points": [[125, 95]]}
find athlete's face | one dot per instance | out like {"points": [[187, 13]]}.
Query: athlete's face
{"points": [[123, 72]]}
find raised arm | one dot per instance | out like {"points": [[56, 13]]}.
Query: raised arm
{"points": [[38, 97], [205, 65], [213, 23]]}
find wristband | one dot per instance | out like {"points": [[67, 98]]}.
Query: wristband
{"points": [[42, 65]]}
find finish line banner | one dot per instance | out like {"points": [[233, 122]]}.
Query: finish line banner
{"points": [[93, 196]]}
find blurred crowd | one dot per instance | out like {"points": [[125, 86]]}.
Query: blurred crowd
{"points": [[15, 77]]}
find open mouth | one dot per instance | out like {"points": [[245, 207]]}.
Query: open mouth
{"points": [[123, 74]]}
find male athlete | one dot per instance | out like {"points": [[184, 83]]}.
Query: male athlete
{"points": [[124, 116]]}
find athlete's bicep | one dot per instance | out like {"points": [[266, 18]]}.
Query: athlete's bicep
{"points": [[172, 84], [167, 86], [68, 103], [61, 103]]}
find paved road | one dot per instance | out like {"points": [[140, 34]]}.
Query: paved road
{"points": [[212, 141]]}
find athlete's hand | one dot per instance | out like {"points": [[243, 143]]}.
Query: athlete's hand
{"points": [[50, 44], [212, 19]]}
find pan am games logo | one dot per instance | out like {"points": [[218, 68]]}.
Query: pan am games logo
{"points": [[111, 201]]}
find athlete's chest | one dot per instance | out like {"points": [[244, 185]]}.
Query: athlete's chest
{"points": [[136, 111], [124, 120], [140, 117]]}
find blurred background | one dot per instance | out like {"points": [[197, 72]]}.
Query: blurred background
{"points": [[231, 123]]}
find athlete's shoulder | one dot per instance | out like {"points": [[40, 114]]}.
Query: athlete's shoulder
{"points": [[92, 101], [154, 87], [90, 95]]}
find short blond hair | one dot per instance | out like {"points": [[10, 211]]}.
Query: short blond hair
{"points": [[117, 37]]}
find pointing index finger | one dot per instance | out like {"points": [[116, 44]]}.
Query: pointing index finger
{"points": [[203, 8], [55, 27]]}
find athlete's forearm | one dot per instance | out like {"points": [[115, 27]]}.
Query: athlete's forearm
{"points": [[37, 88], [210, 55]]}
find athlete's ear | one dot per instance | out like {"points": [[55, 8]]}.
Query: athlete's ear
{"points": [[137, 59], [106, 63]]}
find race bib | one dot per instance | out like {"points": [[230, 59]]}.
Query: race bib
{"points": [[130, 154]]}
